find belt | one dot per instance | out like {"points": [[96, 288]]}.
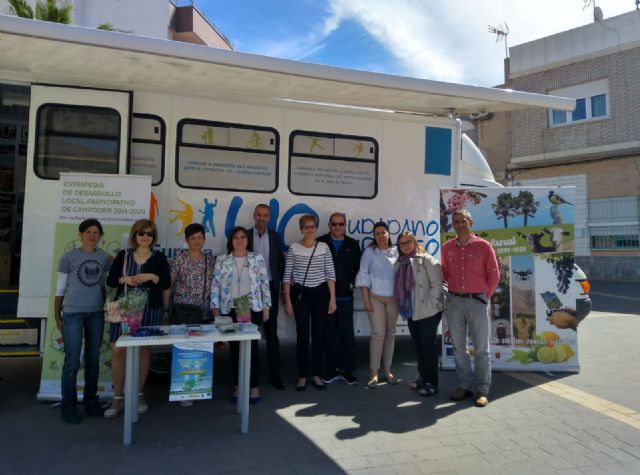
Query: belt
{"points": [[469, 296]]}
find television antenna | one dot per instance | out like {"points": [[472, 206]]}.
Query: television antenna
{"points": [[597, 11], [501, 31]]}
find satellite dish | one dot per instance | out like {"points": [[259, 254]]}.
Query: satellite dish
{"points": [[597, 14]]}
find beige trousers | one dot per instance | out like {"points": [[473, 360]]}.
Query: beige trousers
{"points": [[383, 331]]}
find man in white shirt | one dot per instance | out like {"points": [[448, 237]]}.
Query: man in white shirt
{"points": [[269, 243]]}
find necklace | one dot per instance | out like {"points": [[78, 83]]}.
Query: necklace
{"points": [[239, 269]]}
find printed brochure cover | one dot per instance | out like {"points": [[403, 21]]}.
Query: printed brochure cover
{"points": [[191, 371]]}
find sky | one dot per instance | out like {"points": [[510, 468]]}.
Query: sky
{"points": [[445, 40]]}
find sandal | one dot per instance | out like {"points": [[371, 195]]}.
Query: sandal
{"points": [[417, 384], [390, 378], [373, 383], [115, 409], [427, 390], [143, 407]]}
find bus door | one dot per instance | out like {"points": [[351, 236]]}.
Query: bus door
{"points": [[71, 129]]}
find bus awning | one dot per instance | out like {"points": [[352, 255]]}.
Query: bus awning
{"points": [[42, 52]]}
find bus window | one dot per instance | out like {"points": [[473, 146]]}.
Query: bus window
{"points": [[222, 156], [74, 138], [333, 165], [147, 147]]}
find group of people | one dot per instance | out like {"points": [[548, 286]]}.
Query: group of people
{"points": [[317, 278]]}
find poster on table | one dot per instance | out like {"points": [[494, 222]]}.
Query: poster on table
{"points": [[117, 201], [532, 232], [191, 371]]}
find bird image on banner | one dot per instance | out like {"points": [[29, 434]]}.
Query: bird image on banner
{"points": [[556, 199]]}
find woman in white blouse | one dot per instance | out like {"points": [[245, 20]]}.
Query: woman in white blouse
{"points": [[376, 280], [309, 295]]}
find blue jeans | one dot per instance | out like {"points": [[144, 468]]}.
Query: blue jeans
{"points": [[73, 325]]}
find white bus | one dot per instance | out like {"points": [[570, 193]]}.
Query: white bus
{"points": [[221, 131]]}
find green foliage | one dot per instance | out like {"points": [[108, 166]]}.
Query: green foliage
{"points": [[20, 8], [47, 10], [504, 207], [106, 26], [526, 205], [50, 11]]}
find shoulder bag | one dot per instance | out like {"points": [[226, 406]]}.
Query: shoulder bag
{"points": [[295, 292]]}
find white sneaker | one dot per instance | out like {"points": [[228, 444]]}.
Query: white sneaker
{"points": [[186, 403]]}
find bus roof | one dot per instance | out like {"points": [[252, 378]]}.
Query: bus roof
{"points": [[43, 52]]}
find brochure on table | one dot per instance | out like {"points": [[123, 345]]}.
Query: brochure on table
{"points": [[191, 371]]}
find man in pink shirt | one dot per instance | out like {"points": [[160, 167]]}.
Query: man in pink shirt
{"points": [[470, 270]]}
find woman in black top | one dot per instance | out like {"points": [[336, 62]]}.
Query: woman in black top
{"points": [[147, 269]]}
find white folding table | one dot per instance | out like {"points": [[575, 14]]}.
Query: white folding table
{"points": [[132, 371]]}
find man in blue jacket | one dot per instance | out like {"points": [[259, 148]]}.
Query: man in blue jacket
{"points": [[269, 243], [340, 355]]}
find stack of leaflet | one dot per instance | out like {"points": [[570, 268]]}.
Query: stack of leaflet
{"points": [[247, 327]]}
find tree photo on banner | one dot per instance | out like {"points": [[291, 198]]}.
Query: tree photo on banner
{"points": [[532, 233], [117, 201]]}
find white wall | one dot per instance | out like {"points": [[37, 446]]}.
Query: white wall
{"points": [[596, 39], [582, 247], [142, 17]]}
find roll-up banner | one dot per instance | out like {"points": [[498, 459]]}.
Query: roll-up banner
{"points": [[532, 313], [117, 201]]}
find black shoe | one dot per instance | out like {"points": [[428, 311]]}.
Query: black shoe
{"points": [[350, 379], [331, 376], [278, 384], [94, 409], [71, 416], [302, 388]]}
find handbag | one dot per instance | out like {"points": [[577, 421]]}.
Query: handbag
{"points": [[295, 292], [112, 311], [188, 313]]}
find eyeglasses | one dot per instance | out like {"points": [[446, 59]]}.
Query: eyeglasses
{"points": [[309, 226], [150, 234], [404, 243], [337, 224]]}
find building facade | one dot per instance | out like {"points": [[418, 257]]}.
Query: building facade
{"points": [[178, 20], [595, 148]]}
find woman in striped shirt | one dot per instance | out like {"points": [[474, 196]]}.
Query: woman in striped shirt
{"points": [[309, 295]]}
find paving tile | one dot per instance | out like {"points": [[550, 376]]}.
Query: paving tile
{"points": [[378, 460], [620, 455], [350, 463], [635, 451], [407, 469], [402, 457]]}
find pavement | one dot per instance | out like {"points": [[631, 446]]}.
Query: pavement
{"points": [[586, 423]]}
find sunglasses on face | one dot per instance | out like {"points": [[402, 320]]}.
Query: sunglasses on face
{"points": [[337, 224], [146, 233], [404, 243], [310, 226]]}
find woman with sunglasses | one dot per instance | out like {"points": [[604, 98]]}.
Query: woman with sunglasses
{"points": [[375, 279], [147, 269], [418, 291]]}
